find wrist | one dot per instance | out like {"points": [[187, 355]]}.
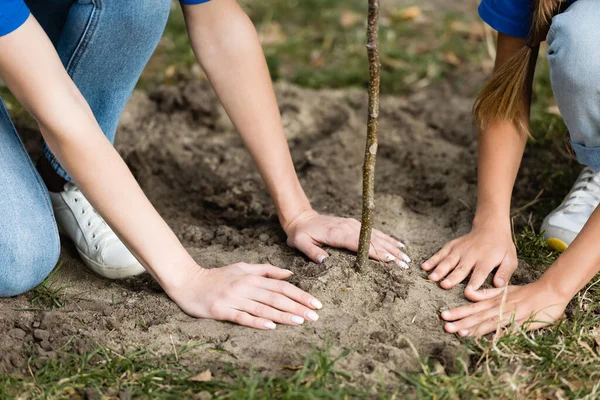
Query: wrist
{"points": [[487, 217], [561, 281], [176, 276]]}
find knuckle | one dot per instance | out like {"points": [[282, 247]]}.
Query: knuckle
{"points": [[258, 309]]}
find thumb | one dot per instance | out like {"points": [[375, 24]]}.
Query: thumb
{"points": [[305, 244], [483, 294], [505, 270]]}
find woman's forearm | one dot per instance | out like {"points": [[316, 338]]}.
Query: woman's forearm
{"points": [[230, 52], [33, 72]]}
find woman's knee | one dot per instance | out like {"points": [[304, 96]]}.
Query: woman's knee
{"points": [[572, 39], [141, 19], [27, 260]]}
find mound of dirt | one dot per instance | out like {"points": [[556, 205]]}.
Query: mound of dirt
{"points": [[191, 163]]}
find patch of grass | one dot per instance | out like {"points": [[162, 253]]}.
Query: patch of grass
{"points": [[321, 44], [49, 294], [558, 363], [532, 247], [144, 374]]}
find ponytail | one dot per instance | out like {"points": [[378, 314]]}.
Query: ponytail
{"points": [[500, 98]]}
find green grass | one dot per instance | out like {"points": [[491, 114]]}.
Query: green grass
{"points": [[50, 293], [106, 373]]}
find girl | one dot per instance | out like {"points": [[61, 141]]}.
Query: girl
{"points": [[502, 113], [73, 65]]}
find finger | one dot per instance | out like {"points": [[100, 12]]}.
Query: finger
{"points": [[267, 270], [483, 294], [458, 313], [389, 239], [305, 244], [269, 313], [284, 304], [478, 322], [437, 257], [489, 326], [480, 273], [290, 291], [389, 252], [245, 319], [445, 266], [505, 271], [458, 275]]}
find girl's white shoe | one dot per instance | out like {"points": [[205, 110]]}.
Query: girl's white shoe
{"points": [[98, 245], [563, 224]]}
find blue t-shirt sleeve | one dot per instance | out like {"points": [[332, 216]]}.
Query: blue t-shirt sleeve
{"points": [[511, 17], [193, 1], [13, 14]]}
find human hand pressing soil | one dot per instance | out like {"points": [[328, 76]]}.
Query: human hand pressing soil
{"points": [[309, 231], [250, 295], [536, 302], [480, 251]]}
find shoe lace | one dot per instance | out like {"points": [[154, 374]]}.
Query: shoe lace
{"points": [[99, 228], [585, 192]]}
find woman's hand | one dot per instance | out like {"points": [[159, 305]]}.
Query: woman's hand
{"points": [[250, 295], [308, 231], [536, 302], [480, 251]]}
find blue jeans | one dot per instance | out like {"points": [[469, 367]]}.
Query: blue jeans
{"points": [[104, 46], [575, 74]]}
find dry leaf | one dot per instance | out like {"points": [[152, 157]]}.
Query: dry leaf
{"points": [[349, 18], [205, 376], [292, 367], [553, 110], [170, 71], [409, 14], [451, 58], [272, 34]]}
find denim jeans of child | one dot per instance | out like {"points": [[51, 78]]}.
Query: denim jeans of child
{"points": [[104, 46], [574, 60]]}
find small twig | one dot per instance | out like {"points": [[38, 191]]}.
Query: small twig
{"points": [[372, 132], [526, 206], [174, 349]]}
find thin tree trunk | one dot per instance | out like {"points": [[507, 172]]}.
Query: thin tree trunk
{"points": [[364, 242]]}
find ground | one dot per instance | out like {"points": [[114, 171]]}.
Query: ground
{"points": [[78, 335]]}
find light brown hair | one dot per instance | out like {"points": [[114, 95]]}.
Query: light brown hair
{"points": [[500, 98]]}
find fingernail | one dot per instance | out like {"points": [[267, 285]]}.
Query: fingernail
{"points": [[313, 316], [270, 325], [316, 304], [469, 287], [446, 314], [287, 270], [405, 258], [425, 265], [401, 245], [389, 257], [450, 328], [402, 264], [433, 276], [463, 332], [501, 282], [297, 320], [445, 282], [321, 258]]}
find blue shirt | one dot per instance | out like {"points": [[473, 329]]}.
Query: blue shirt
{"points": [[14, 13], [511, 17]]}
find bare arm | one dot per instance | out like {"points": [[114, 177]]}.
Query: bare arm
{"points": [[251, 295], [227, 47], [489, 244]]}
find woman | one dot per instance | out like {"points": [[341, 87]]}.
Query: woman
{"points": [[73, 65]]}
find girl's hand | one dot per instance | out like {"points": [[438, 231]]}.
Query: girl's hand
{"points": [[309, 231], [480, 251], [250, 295], [536, 302]]}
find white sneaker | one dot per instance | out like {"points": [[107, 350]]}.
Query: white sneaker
{"points": [[98, 245], [563, 224]]}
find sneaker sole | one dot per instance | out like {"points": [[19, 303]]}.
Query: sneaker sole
{"points": [[557, 244], [112, 272]]}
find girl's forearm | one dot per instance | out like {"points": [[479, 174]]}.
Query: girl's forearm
{"points": [[33, 72], [501, 148], [579, 263], [229, 50]]}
